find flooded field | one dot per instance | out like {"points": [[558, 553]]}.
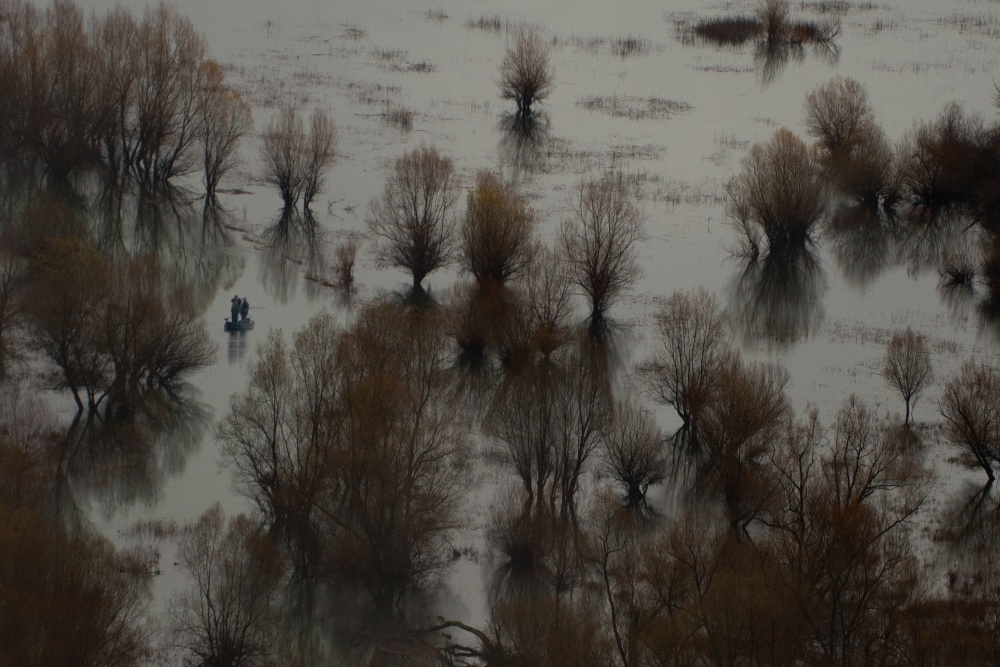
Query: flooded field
{"points": [[636, 91]]}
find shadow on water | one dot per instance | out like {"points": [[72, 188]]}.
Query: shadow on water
{"points": [[292, 242], [778, 298], [925, 239], [969, 527], [523, 142], [770, 58], [121, 464], [862, 244]]}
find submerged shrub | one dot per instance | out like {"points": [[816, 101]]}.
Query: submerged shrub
{"points": [[942, 162], [778, 197]]}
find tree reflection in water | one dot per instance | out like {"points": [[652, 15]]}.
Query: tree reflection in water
{"points": [[120, 464], [293, 245], [862, 243], [778, 298], [524, 141]]}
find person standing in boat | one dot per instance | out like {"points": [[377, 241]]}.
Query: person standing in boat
{"points": [[235, 310], [244, 309]]}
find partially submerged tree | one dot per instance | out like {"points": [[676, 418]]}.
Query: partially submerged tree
{"points": [[838, 113], [778, 197], [970, 406], [853, 148], [294, 162], [414, 219], [280, 435], [525, 74], [907, 366], [600, 243], [740, 429], [633, 452], [498, 232], [225, 119], [229, 615], [693, 344]]}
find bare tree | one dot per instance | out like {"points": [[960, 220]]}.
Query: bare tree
{"points": [[414, 217], [692, 346], [284, 153], [525, 74], [294, 162], [228, 618], [320, 154], [907, 366], [740, 429], [70, 283], [498, 232], [633, 452], [280, 436], [549, 300], [970, 406], [778, 194], [390, 501], [600, 243], [225, 119], [838, 113], [69, 596], [169, 53], [772, 15]]}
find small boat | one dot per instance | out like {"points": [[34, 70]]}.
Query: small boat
{"points": [[241, 325]]}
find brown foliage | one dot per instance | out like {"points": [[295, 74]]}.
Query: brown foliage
{"points": [[401, 459], [854, 149], [351, 446], [942, 163], [837, 114], [414, 218], [498, 232], [600, 243], [279, 435], [633, 452], [907, 366], [779, 195], [117, 333], [692, 346], [228, 617], [748, 411], [548, 422], [67, 598], [525, 74]]}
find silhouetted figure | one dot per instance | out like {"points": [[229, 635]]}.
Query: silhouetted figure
{"points": [[235, 310], [244, 309]]}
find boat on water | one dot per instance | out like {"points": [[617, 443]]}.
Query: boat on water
{"points": [[241, 325]]}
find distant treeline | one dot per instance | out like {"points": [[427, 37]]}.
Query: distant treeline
{"points": [[139, 98]]}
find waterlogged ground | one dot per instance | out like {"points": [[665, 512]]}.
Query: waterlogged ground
{"points": [[631, 94]]}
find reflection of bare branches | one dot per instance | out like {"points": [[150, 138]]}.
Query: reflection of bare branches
{"points": [[772, 56], [959, 298], [924, 239], [123, 463], [828, 51], [988, 314], [862, 244], [523, 141], [292, 240], [970, 526], [778, 298]]}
